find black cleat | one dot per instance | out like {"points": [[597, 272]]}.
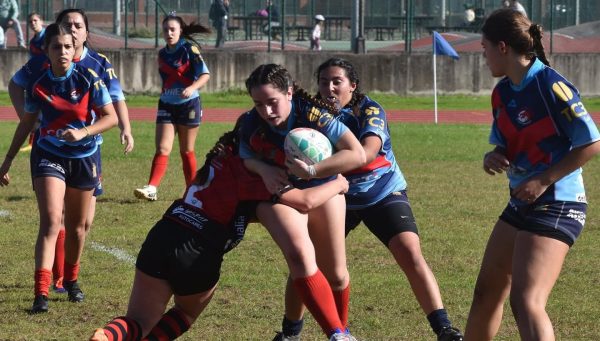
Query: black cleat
{"points": [[75, 293], [281, 337], [450, 334], [40, 304]]}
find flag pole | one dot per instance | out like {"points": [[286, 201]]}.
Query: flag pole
{"points": [[435, 110]]}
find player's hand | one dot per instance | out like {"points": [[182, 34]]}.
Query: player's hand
{"points": [[4, 178], [343, 184], [530, 189], [275, 178], [187, 92], [494, 162], [297, 167], [127, 140], [73, 135]]}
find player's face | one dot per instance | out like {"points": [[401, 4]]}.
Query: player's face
{"points": [[494, 57], [35, 23], [171, 32], [60, 52], [76, 25], [335, 86], [272, 104]]}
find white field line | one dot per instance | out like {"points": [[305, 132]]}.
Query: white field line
{"points": [[113, 251]]}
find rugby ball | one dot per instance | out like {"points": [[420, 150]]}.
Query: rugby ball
{"points": [[308, 145]]}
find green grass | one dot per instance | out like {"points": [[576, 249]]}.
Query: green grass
{"points": [[238, 98], [454, 201]]}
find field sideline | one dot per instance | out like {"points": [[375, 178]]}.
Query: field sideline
{"points": [[454, 201]]}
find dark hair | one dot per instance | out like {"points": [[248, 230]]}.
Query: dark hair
{"points": [[357, 95], [61, 16], [516, 31], [34, 14], [187, 31], [54, 30], [228, 142]]}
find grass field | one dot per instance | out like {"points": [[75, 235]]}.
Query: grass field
{"points": [[454, 201]]}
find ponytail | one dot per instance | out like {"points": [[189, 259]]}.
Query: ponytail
{"points": [[535, 31]]}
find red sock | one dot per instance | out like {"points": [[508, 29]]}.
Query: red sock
{"points": [[158, 170], [58, 268], [318, 298], [342, 301], [172, 325], [188, 162], [71, 272], [42, 279], [123, 329]]}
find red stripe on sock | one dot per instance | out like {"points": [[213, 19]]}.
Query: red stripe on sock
{"points": [[158, 170], [42, 279], [318, 298], [188, 162], [58, 268]]}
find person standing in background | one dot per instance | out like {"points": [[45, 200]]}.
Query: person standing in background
{"points": [[9, 14], [219, 13], [36, 24], [315, 37]]}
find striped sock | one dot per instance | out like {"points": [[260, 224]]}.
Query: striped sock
{"points": [[158, 170], [318, 298], [188, 162], [123, 329], [342, 302], [58, 268], [172, 325]]}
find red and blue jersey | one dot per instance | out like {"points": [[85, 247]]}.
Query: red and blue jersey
{"points": [[375, 181], [66, 102], [179, 68], [264, 142], [537, 123], [36, 44]]}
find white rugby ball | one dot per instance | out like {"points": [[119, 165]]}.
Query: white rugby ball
{"points": [[308, 145]]}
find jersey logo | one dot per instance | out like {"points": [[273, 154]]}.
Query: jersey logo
{"points": [[512, 103], [195, 49], [562, 91], [524, 117], [526, 139]]}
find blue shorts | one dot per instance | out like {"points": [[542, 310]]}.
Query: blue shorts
{"points": [[560, 220], [187, 114], [81, 173], [386, 218]]}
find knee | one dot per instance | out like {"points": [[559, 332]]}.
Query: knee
{"points": [[525, 304], [408, 254], [338, 280]]}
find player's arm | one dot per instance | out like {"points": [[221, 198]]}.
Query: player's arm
{"points": [[197, 84], [372, 145], [349, 155], [24, 127], [305, 200], [124, 125], [275, 178], [17, 98], [495, 161]]}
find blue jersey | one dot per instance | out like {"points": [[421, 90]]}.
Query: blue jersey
{"points": [[538, 122], [375, 181], [36, 44], [179, 68], [262, 141], [66, 102]]}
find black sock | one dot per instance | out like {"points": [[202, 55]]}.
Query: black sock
{"points": [[290, 328], [438, 320]]}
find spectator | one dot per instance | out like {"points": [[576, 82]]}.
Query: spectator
{"points": [[315, 37], [272, 10], [516, 5], [9, 12], [219, 12]]}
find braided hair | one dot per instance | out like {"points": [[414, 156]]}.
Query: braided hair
{"points": [[227, 143], [516, 31], [357, 95]]}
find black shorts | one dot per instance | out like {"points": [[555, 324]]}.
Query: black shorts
{"points": [[188, 113], [385, 219], [185, 258], [560, 220], [81, 173]]}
